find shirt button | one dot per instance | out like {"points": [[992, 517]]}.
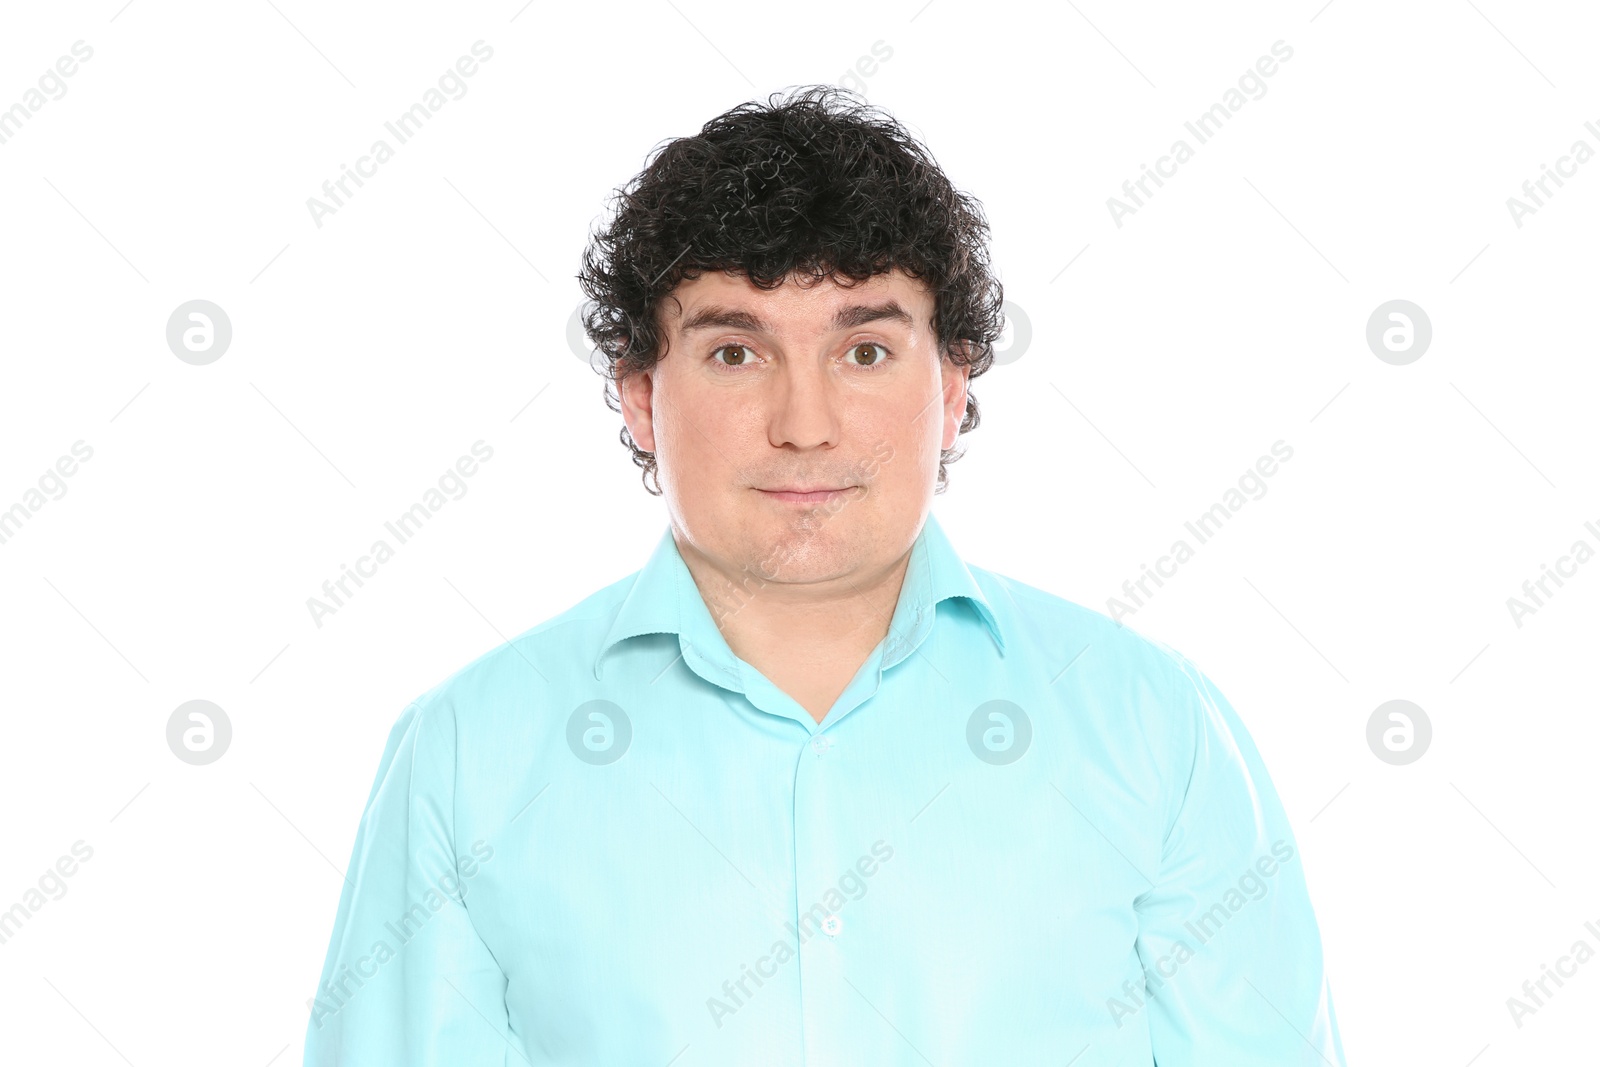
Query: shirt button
{"points": [[821, 743], [832, 925]]}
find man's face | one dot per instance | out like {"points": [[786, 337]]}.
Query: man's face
{"points": [[836, 390]]}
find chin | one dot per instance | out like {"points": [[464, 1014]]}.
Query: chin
{"points": [[807, 546]]}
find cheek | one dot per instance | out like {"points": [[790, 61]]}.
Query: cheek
{"points": [[709, 430], [705, 443], [926, 432], [896, 454]]}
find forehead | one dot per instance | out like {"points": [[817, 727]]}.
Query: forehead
{"points": [[805, 301]]}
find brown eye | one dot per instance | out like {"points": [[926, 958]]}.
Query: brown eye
{"points": [[863, 354], [736, 354]]}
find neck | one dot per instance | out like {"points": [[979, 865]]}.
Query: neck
{"points": [[788, 626]]}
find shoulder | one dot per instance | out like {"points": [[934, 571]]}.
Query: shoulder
{"points": [[1039, 622], [1133, 693], [1136, 696], [557, 652]]}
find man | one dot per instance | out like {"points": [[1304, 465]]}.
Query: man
{"points": [[806, 789]]}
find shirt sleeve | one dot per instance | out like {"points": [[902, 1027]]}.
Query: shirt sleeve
{"points": [[407, 981], [1227, 939]]}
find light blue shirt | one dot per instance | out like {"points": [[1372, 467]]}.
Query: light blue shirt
{"points": [[1022, 835]]}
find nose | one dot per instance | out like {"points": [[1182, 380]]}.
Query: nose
{"points": [[805, 407]]}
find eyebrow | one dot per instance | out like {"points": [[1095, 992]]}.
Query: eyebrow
{"points": [[715, 316]]}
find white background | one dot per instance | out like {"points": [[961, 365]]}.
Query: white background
{"points": [[431, 311]]}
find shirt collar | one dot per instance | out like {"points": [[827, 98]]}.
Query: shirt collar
{"points": [[665, 599]]}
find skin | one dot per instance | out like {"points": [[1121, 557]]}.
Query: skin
{"points": [[802, 590]]}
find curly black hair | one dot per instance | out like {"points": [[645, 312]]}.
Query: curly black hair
{"points": [[819, 184]]}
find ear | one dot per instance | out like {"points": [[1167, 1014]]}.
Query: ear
{"points": [[954, 380], [637, 393]]}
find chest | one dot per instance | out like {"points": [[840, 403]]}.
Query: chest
{"points": [[704, 890]]}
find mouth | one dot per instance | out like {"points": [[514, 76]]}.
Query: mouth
{"points": [[800, 495]]}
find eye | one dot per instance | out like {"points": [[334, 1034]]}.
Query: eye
{"points": [[861, 355], [738, 355]]}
